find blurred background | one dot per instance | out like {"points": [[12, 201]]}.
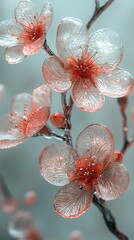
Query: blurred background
{"points": [[19, 166]]}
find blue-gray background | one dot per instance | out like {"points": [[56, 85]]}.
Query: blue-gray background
{"points": [[19, 166]]}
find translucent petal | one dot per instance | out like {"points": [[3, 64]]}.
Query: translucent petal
{"points": [[2, 91], [116, 83], [95, 141], [9, 135], [106, 46], [54, 162], [55, 76], [21, 222], [21, 105], [34, 47], [37, 120], [9, 32], [114, 182], [46, 15], [71, 201], [86, 96], [14, 55], [118, 157], [41, 97], [25, 12], [72, 38]]}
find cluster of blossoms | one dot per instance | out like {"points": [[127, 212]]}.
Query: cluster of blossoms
{"points": [[88, 65]]}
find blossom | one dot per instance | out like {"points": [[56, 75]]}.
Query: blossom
{"points": [[25, 35], [88, 64], [28, 115], [93, 167]]}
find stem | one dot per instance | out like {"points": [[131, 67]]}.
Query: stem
{"points": [[123, 102], [48, 49], [98, 11], [108, 218]]}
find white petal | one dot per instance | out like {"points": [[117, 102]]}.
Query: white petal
{"points": [[54, 162], [106, 46], [46, 16], [116, 83], [21, 105], [86, 96], [9, 32], [72, 38], [14, 55]]}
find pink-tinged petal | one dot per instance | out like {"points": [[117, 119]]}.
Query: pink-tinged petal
{"points": [[25, 12], [21, 105], [116, 83], [46, 16], [37, 120], [41, 97], [34, 47], [9, 32], [54, 162], [114, 181], [71, 201], [106, 46], [118, 157], [72, 38], [95, 141], [86, 96], [55, 75], [2, 91], [9, 135], [14, 55]]}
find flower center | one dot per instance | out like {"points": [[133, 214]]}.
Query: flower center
{"points": [[86, 172], [31, 33], [85, 67]]}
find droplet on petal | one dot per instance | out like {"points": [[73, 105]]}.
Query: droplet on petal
{"points": [[9, 205], [30, 198], [21, 222], [58, 119], [76, 235]]}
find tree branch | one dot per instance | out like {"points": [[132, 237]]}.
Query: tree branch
{"points": [[47, 48], [108, 218], [98, 11]]}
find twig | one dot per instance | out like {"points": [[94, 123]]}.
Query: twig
{"points": [[123, 102], [48, 49], [98, 11], [4, 189], [108, 218]]}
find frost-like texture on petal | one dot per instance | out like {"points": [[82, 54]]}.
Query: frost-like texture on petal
{"points": [[54, 161], [9, 32], [34, 47], [14, 55], [55, 76], [2, 91], [95, 141], [114, 182], [46, 15], [71, 201], [106, 46], [21, 105], [86, 96], [72, 38], [41, 97], [37, 120], [25, 12], [9, 135], [116, 83]]}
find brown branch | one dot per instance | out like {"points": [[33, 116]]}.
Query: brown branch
{"points": [[123, 102], [108, 218], [47, 48], [98, 11]]}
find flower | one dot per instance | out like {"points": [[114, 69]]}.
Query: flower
{"points": [[29, 113], [90, 64], [26, 34], [93, 167]]}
